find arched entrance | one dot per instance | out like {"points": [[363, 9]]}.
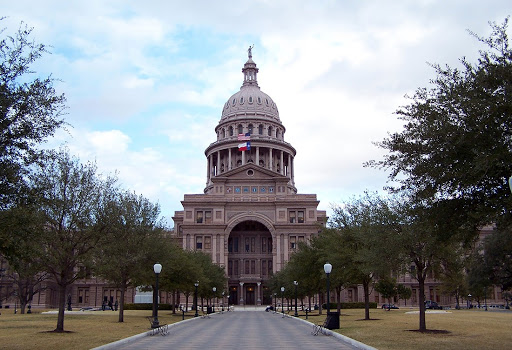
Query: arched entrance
{"points": [[250, 263]]}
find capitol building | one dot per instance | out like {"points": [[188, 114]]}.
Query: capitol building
{"points": [[250, 217]]}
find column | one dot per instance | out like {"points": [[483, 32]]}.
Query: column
{"points": [[214, 247], [281, 162], [258, 302], [208, 170], [218, 163], [287, 246], [243, 157], [289, 166], [229, 159], [257, 156], [241, 293], [277, 257], [222, 257], [270, 158], [293, 172]]}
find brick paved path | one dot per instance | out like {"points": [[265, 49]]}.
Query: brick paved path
{"points": [[240, 330]]}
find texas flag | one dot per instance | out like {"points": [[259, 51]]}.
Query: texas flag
{"points": [[246, 146], [244, 137]]}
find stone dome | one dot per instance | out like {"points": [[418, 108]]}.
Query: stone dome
{"points": [[250, 100]]}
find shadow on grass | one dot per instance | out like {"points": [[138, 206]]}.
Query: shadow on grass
{"points": [[370, 319], [57, 332]]}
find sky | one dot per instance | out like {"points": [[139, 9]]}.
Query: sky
{"points": [[146, 81]]}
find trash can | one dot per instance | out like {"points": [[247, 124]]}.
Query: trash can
{"points": [[209, 310], [333, 320]]}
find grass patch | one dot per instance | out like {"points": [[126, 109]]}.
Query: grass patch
{"points": [[388, 330], [19, 332], [456, 329]]}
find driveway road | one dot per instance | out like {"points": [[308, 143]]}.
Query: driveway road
{"points": [[240, 330]]}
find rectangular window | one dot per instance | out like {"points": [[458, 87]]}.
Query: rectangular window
{"points": [[270, 269], [208, 216], [230, 245], [236, 268], [263, 245], [235, 245], [253, 267], [296, 216], [204, 216], [230, 267], [247, 245], [199, 242], [301, 238], [247, 267], [264, 267], [270, 245], [253, 244], [208, 242]]}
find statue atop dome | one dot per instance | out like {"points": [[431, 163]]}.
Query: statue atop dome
{"points": [[249, 51]]}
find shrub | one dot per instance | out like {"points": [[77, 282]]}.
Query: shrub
{"points": [[354, 305]]}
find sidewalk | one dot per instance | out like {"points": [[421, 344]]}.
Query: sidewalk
{"points": [[235, 330]]}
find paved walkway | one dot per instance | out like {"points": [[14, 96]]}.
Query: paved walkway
{"points": [[239, 330]]}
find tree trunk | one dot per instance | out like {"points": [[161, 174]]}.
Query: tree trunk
{"points": [[121, 303], [62, 306], [173, 302], [366, 289], [338, 299], [321, 300], [421, 283]]}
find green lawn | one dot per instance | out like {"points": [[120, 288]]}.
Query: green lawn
{"points": [[387, 330]]}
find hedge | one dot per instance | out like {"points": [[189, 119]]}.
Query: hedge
{"points": [[356, 305], [146, 306]]}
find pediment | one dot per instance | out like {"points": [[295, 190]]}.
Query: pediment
{"points": [[250, 172]]}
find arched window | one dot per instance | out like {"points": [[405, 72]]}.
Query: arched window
{"points": [[250, 129], [269, 131], [230, 131], [260, 129], [223, 133], [240, 129]]}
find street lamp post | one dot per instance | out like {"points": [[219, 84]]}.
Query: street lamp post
{"points": [[195, 298], [213, 300], [296, 284], [222, 302], [469, 301], [327, 270], [282, 300], [275, 302], [157, 268]]}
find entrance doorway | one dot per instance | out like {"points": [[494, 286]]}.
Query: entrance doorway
{"points": [[250, 295]]}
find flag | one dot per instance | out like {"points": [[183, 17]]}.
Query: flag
{"points": [[246, 146], [244, 137]]}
